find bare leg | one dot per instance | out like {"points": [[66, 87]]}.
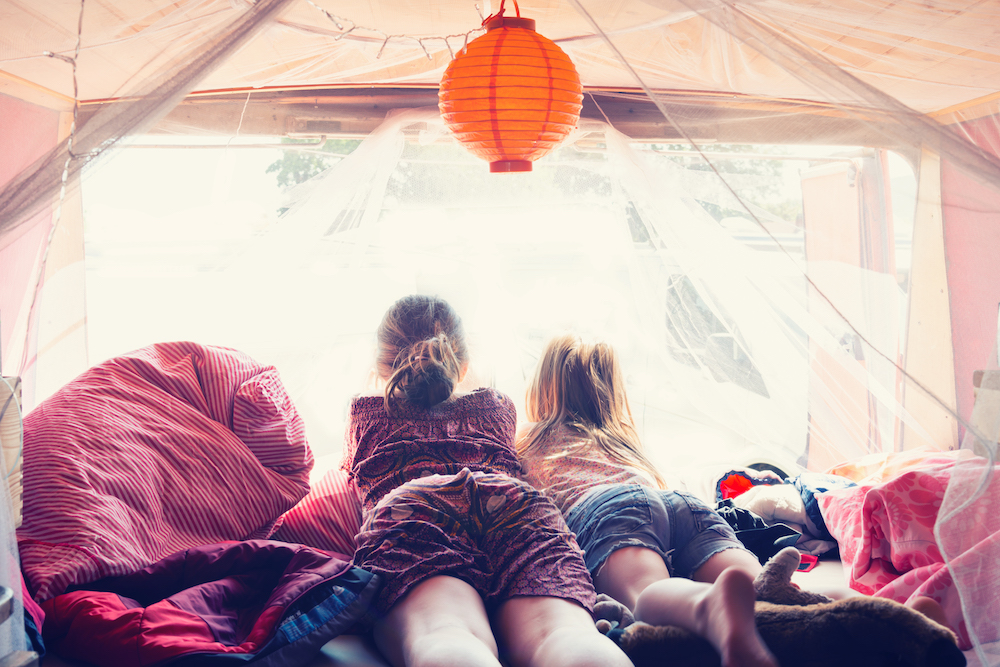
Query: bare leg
{"points": [[722, 612], [628, 571], [723, 560], [440, 623], [549, 632], [930, 608]]}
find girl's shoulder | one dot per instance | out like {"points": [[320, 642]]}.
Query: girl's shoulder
{"points": [[480, 401], [486, 397], [364, 403], [556, 437]]}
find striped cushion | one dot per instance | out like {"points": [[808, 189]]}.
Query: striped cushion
{"points": [[328, 518], [171, 446]]}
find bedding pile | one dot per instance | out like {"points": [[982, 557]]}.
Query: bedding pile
{"points": [[885, 526], [789, 503], [256, 601], [151, 463], [328, 518], [884, 513]]}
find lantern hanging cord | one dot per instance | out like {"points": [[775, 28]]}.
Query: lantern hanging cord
{"points": [[499, 14]]}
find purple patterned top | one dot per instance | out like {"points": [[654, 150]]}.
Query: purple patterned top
{"points": [[382, 451]]}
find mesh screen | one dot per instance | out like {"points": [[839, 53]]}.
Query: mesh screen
{"points": [[794, 252]]}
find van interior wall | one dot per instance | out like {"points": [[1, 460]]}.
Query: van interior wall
{"points": [[971, 230], [33, 125]]}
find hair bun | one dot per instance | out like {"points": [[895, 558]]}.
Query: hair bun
{"points": [[429, 385], [421, 351]]}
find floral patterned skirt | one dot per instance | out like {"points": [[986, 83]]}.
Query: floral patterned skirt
{"points": [[494, 532]]}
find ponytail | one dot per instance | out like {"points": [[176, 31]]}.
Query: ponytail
{"points": [[427, 374], [421, 351]]}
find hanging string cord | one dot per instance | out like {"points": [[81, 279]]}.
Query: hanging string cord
{"points": [[499, 14], [340, 21], [12, 400], [239, 126], [596, 104], [57, 217], [666, 114], [76, 94]]}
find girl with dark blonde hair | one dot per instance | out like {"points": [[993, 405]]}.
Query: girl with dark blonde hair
{"points": [[475, 564], [665, 555]]}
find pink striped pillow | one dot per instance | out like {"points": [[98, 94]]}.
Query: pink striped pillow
{"points": [[168, 447], [328, 518]]}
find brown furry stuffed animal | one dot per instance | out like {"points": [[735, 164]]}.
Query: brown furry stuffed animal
{"points": [[855, 632]]}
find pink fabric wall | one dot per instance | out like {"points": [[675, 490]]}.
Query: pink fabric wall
{"points": [[971, 211], [27, 132]]}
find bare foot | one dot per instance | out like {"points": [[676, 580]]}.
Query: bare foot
{"points": [[725, 617], [930, 608]]}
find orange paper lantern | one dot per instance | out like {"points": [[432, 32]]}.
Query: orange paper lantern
{"points": [[512, 95]]}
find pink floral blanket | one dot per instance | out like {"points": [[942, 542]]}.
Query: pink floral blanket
{"points": [[885, 530]]}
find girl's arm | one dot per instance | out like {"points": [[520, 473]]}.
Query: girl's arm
{"points": [[350, 448]]}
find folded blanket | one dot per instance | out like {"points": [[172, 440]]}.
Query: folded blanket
{"points": [[172, 446]]}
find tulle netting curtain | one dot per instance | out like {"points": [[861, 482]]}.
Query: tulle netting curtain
{"points": [[847, 321]]}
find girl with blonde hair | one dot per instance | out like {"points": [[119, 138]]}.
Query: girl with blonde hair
{"points": [[665, 555]]}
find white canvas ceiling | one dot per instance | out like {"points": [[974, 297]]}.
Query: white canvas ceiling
{"points": [[929, 55]]}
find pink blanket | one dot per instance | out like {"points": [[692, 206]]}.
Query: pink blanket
{"points": [[887, 544], [173, 446]]}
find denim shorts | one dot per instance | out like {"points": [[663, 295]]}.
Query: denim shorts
{"points": [[681, 528]]}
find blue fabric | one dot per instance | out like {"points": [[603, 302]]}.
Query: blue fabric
{"points": [[808, 484], [756, 535], [326, 611], [681, 528], [33, 635]]}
